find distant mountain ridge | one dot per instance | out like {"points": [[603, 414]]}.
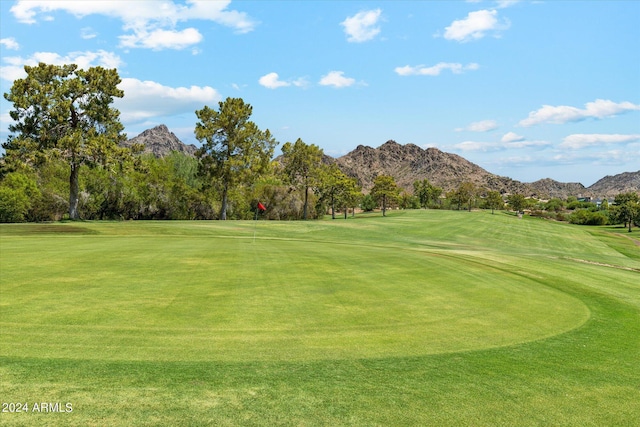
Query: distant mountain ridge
{"points": [[409, 163]]}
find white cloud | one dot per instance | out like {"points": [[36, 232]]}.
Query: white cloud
{"points": [[523, 143], [147, 99], [9, 43], [577, 141], [506, 3], [478, 146], [87, 33], [151, 24], [162, 39], [435, 70], [15, 64], [336, 79], [483, 126], [561, 114], [475, 26], [497, 146], [512, 137], [362, 26], [272, 81], [300, 82]]}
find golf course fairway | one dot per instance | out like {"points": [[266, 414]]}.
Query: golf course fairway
{"points": [[417, 318]]}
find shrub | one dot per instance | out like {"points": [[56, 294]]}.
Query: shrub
{"points": [[586, 217]]}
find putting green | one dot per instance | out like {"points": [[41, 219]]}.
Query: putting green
{"points": [[225, 296]]}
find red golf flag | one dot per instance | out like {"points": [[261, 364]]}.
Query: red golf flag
{"points": [[261, 207]]}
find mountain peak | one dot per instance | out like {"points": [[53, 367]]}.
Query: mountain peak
{"points": [[409, 163], [160, 141]]}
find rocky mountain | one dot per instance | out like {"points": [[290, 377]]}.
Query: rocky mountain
{"points": [[609, 186], [547, 188], [160, 141], [409, 163]]}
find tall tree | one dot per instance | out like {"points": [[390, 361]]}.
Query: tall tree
{"points": [[234, 151], [301, 165], [337, 189], [350, 196], [426, 193], [494, 201], [517, 202], [627, 208], [467, 193], [385, 191], [65, 112]]}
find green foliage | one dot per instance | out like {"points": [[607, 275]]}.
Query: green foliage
{"points": [[368, 203], [409, 201], [17, 191], [428, 195], [554, 205], [385, 192], [235, 151], [577, 204], [587, 217], [302, 166], [336, 190], [466, 195], [494, 201], [64, 112], [517, 202]]}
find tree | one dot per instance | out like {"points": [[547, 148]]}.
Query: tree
{"points": [[426, 193], [17, 191], [367, 203], [61, 111], [234, 151], [467, 193], [350, 195], [385, 191], [555, 205], [301, 163], [336, 188], [517, 202], [627, 208], [494, 201]]}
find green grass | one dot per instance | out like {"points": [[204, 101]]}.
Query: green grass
{"points": [[420, 318]]}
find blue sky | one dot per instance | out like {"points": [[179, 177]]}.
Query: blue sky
{"points": [[525, 89]]}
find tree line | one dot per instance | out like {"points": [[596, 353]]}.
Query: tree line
{"points": [[64, 159]]}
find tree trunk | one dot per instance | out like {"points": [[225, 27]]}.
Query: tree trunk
{"points": [[384, 205], [333, 208], [306, 202], [223, 209], [74, 191], [346, 211]]}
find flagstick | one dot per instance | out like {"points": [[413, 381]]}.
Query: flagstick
{"points": [[255, 225]]}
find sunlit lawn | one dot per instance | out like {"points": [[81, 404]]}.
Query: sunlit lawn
{"points": [[419, 318]]}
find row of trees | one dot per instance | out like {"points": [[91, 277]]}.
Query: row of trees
{"points": [[66, 138], [64, 119]]}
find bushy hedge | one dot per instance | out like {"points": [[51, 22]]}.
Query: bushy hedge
{"points": [[587, 217]]}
